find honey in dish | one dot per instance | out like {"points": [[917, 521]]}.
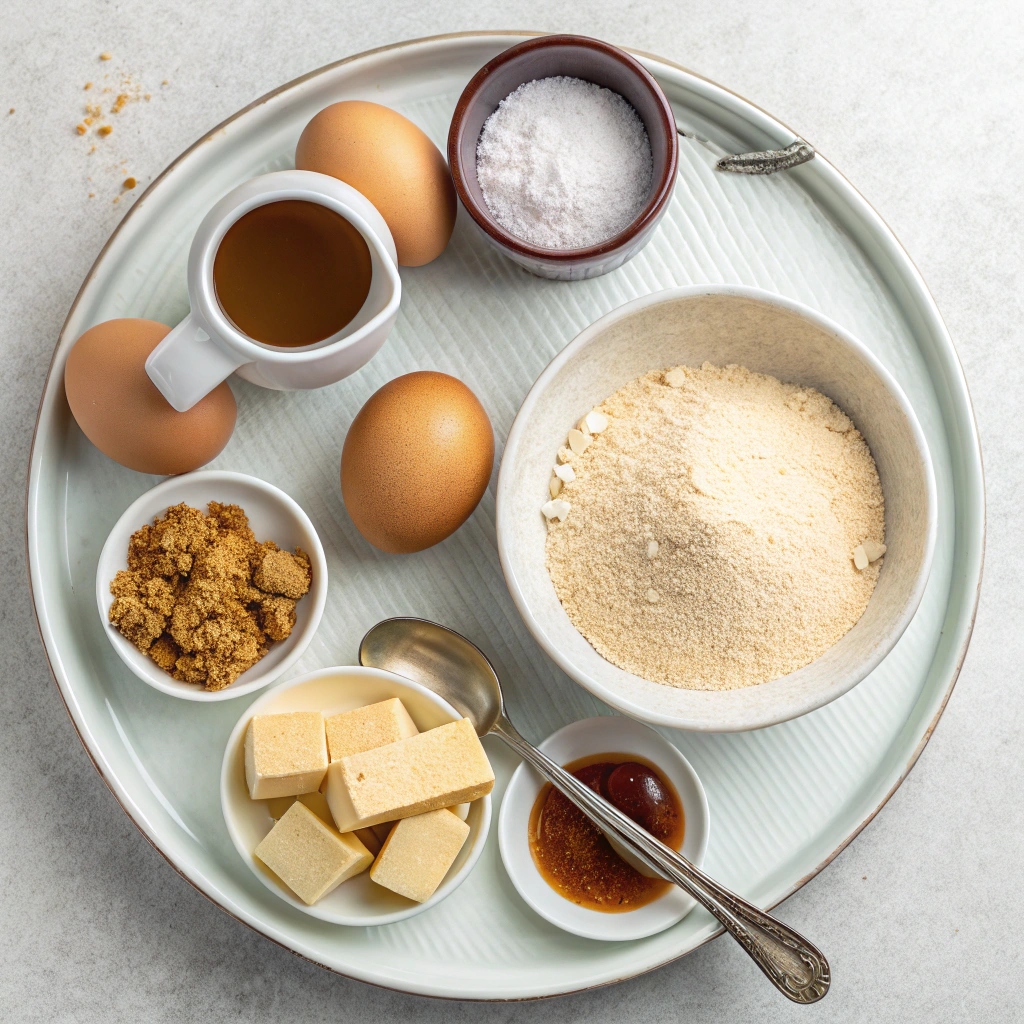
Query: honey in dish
{"points": [[291, 273], [573, 855]]}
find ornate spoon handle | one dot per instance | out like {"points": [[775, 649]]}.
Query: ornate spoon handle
{"points": [[794, 966], [766, 161]]}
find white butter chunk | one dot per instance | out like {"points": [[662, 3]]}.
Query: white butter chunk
{"points": [[873, 550], [557, 508], [579, 442]]}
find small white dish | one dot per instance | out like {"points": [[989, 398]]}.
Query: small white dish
{"points": [[273, 515], [721, 324], [604, 735], [358, 901]]}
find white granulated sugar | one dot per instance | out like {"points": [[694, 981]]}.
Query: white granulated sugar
{"points": [[708, 534], [564, 163]]}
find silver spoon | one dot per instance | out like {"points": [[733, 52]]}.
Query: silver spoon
{"points": [[447, 663]]}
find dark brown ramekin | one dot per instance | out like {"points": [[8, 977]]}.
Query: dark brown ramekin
{"points": [[576, 57]]}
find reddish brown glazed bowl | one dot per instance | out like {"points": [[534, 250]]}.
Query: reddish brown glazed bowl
{"points": [[576, 57]]}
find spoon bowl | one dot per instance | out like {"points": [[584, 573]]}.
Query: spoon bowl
{"points": [[440, 659]]}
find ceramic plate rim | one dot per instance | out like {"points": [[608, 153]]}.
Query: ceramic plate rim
{"points": [[758, 130]]}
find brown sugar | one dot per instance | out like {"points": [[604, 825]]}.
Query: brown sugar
{"points": [[202, 597], [280, 573]]}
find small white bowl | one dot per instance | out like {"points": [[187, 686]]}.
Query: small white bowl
{"points": [[605, 735], [333, 690], [766, 333], [273, 516]]}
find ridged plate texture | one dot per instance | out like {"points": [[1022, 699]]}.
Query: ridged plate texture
{"points": [[782, 800]]}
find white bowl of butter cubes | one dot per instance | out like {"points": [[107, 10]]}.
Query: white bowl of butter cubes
{"points": [[357, 796]]}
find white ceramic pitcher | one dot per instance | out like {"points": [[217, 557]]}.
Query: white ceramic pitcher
{"points": [[206, 347]]}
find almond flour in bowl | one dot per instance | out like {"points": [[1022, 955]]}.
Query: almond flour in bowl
{"points": [[711, 531]]}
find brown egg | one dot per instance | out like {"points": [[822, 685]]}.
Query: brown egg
{"points": [[416, 461], [394, 164], [121, 411]]}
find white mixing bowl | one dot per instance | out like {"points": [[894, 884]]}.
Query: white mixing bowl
{"points": [[767, 334]]}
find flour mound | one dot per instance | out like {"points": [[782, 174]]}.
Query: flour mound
{"points": [[755, 493]]}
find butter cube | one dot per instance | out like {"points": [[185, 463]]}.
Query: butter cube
{"points": [[437, 768], [419, 852], [315, 801], [311, 858], [285, 755], [352, 732]]}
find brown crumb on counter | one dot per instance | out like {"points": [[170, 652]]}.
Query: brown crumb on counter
{"points": [[130, 183], [106, 55], [203, 598], [104, 130]]}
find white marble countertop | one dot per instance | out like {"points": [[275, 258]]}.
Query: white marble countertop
{"points": [[918, 102]]}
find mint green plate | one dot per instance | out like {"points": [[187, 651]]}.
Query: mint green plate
{"points": [[784, 801]]}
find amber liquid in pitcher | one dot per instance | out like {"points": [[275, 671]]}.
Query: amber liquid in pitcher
{"points": [[291, 273]]}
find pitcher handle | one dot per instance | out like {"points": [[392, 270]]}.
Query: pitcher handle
{"points": [[188, 364]]}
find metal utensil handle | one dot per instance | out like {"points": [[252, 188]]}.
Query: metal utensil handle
{"points": [[768, 161], [795, 966]]}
